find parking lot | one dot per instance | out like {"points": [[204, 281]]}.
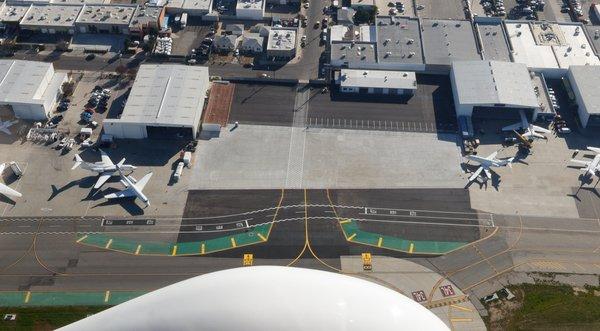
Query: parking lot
{"points": [[263, 104], [430, 108], [190, 37], [448, 9]]}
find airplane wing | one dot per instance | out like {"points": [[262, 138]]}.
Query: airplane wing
{"points": [[101, 180], [493, 155], [594, 149], [537, 135], [475, 174], [2, 166], [540, 129], [581, 162], [488, 173], [5, 190], [511, 127], [127, 193], [140, 184], [105, 158]]}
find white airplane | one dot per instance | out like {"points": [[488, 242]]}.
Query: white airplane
{"points": [[592, 167], [5, 125], [105, 168], [4, 189], [133, 188], [486, 163], [531, 131]]}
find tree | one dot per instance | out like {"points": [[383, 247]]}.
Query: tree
{"points": [[365, 15], [121, 69]]}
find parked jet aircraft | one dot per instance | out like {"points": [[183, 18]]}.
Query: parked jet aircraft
{"points": [[486, 163], [4, 189], [133, 188], [105, 168], [5, 125], [591, 168], [530, 131]]}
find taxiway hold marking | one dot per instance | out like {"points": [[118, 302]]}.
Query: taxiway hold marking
{"points": [[138, 249], [411, 248], [108, 244], [380, 242], [345, 221], [174, 252], [27, 296], [106, 296], [202, 248], [461, 320], [461, 308], [82, 238], [261, 236], [233, 242], [351, 237]]}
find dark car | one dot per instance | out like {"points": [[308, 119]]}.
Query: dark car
{"points": [[90, 57]]}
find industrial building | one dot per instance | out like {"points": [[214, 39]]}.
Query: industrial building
{"points": [[445, 41], [166, 102], [584, 83], [52, 19], [145, 20], [493, 89], [281, 44], [377, 82], [105, 19], [30, 88], [250, 9], [11, 15]]}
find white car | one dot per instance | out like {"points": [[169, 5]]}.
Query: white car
{"points": [[306, 5]]}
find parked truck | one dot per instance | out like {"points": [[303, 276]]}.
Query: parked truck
{"points": [[183, 22]]}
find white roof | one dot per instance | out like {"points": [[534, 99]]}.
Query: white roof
{"points": [[13, 13], [282, 39], [493, 82], [106, 14], [249, 4], [585, 81], [166, 94], [21, 81], [378, 79], [337, 32], [51, 15], [578, 50], [525, 50], [267, 298]]}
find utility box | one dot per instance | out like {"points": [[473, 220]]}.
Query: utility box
{"points": [[187, 159], [178, 171]]}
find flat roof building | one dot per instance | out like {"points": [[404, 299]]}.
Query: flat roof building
{"points": [[550, 47], [281, 43], [51, 18], [584, 83], [445, 41], [399, 43], [105, 19], [165, 102], [12, 13], [377, 82], [493, 39], [494, 87], [146, 19], [31, 88], [250, 9]]}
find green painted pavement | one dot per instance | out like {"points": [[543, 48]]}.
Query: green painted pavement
{"points": [[257, 235], [88, 298], [354, 234]]}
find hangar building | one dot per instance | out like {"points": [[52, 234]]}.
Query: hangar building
{"points": [[584, 83], [493, 89], [165, 102], [30, 88]]}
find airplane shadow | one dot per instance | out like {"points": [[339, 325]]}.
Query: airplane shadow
{"points": [[86, 182], [129, 204], [481, 180], [7, 200]]}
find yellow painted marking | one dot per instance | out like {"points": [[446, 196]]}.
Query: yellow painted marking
{"points": [[345, 221], [380, 242], [27, 296], [108, 244], [233, 242], [351, 236], [248, 260], [461, 320], [138, 249], [411, 248], [174, 252], [82, 238], [261, 236], [461, 308], [106, 296], [202, 248]]}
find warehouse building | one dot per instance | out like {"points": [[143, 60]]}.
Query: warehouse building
{"points": [[377, 82], [51, 19], [281, 43], [30, 88], [584, 83], [445, 41], [166, 102], [105, 19], [11, 15], [250, 9], [493, 89]]}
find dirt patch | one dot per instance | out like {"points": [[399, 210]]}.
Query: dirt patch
{"points": [[219, 103]]}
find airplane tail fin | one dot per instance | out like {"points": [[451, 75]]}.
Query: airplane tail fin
{"points": [[510, 162], [78, 162]]}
